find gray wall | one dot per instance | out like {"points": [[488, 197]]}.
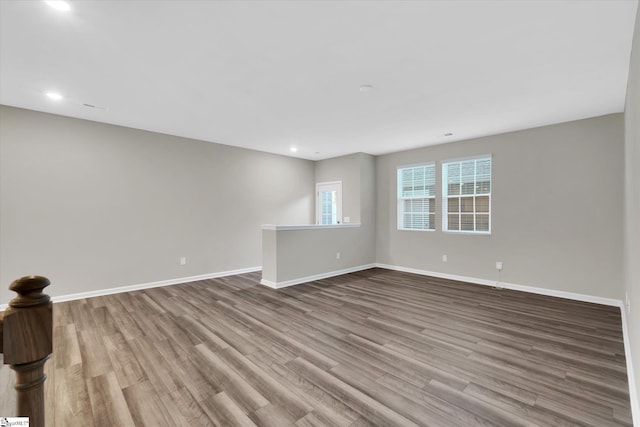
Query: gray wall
{"points": [[296, 254], [304, 253], [94, 206], [556, 210], [358, 175], [347, 170], [368, 195], [356, 245], [270, 255], [632, 203]]}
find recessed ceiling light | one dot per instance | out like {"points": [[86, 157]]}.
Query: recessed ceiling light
{"points": [[366, 88], [54, 95], [448, 134], [293, 149], [59, 5]]}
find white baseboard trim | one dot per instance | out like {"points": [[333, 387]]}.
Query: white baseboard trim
{"points": [[512, 286], [284, 284], [177, 281], [633, 390], [633, 387]]}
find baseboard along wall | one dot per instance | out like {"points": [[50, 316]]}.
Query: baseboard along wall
{"points": [[504, 285], [306, 279], [176, 281], [633, 391]]}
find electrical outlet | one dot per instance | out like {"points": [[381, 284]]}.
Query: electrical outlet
{"points": [[183, 260], [337, 255], [627, 303], [444, 258], [499, 265]]}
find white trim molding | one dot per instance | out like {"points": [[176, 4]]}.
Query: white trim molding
{"points": [[504, 285], [176, 281], [284, 284], [633, 390], [633, 387]]}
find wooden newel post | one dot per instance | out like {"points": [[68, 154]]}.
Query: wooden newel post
{"points": [[27, 344]]}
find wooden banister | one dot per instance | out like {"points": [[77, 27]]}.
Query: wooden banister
{"points": [[26, 341]]}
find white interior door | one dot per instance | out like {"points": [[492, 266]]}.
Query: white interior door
{"points": [[329, 203]]}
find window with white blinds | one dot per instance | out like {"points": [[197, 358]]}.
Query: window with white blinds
{"points": [[417, 197], [466, 194]]}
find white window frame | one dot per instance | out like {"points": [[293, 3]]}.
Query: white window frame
{"points": [[400, 199], [335, 186], [446, 196]]}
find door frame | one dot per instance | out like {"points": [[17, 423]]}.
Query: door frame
{"points": [[337, 185]]}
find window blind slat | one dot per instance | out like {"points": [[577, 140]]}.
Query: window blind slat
{"points": [[416, 197], [468, 195]]}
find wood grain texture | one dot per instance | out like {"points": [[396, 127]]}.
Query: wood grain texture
{"points": [[27, 342], [371, 348]]}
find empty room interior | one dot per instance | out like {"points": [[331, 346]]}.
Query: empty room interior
{"points": [[320, 213]]}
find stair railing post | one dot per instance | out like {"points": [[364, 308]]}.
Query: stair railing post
{"points": [[27, 344]]}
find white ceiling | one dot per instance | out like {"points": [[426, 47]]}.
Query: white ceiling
{"points": [[267, 75]]}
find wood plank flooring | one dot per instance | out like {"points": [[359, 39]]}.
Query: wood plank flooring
{"points": [[374, 348]]}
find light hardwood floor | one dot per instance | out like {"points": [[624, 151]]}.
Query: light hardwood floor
{"points": [[371, 348]]}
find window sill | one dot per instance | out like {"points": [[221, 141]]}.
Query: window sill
{"points": [[473, 233]]}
